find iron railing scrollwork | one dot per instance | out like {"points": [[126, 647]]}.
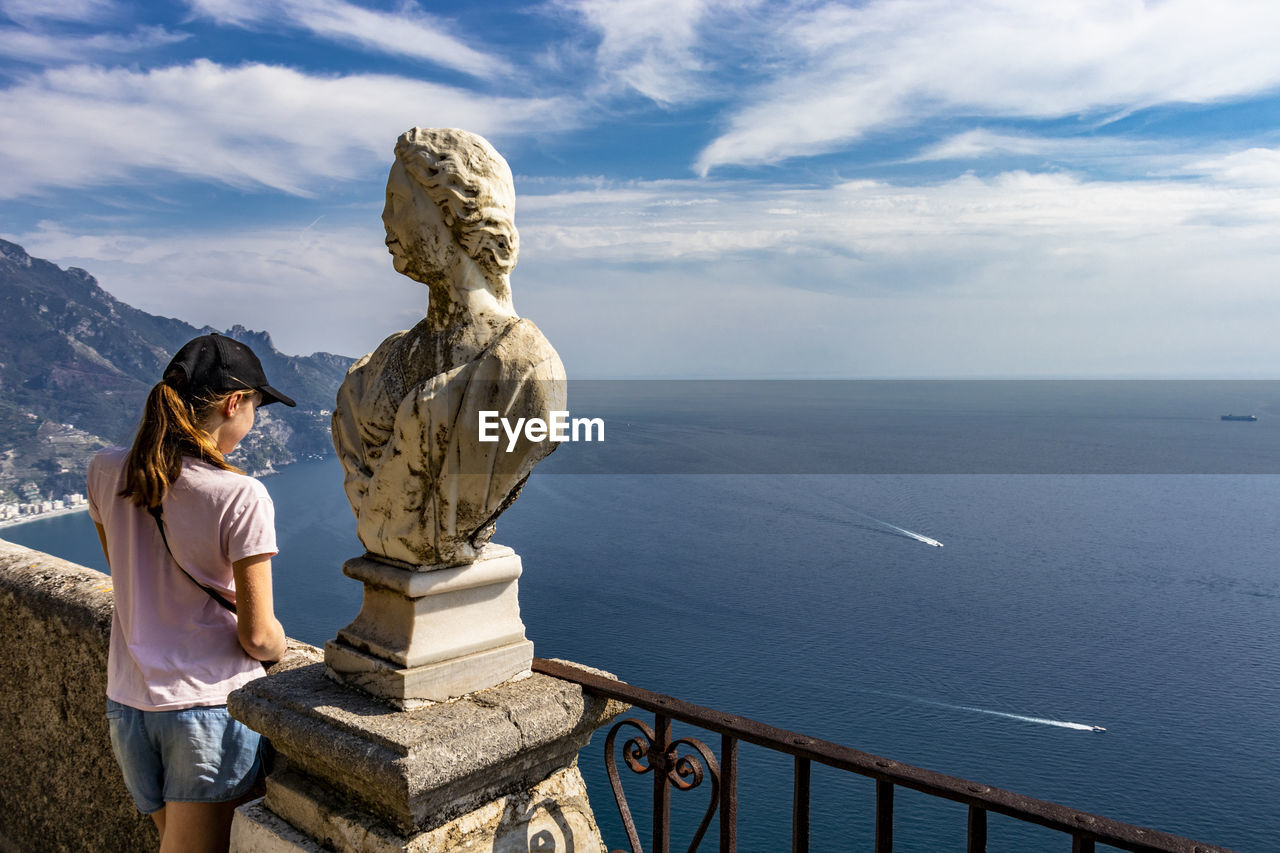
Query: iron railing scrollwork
{"points": [[652, 750]]}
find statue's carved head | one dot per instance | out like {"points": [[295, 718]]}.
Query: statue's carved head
{"points": [[472, 190]]}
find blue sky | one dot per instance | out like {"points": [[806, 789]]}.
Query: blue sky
{"points": [[725, 188]]}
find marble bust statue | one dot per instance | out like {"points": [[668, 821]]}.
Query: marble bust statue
{"points": [[425, 490]]}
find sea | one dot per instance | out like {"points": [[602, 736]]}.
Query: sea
{"points": [[1111, 558]]}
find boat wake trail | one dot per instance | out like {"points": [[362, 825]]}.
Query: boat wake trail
{"points": [[1022, 718], [1044, 721], [910, 534]]}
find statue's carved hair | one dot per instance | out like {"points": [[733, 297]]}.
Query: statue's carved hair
{"points": [[472, 185]]}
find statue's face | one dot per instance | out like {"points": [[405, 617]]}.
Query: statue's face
{"points": [[415, 226]]}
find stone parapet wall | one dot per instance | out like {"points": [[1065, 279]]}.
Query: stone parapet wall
{"points": [[60, 788]]}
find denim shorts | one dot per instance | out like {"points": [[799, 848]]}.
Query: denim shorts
{"points": [[192, 755]]}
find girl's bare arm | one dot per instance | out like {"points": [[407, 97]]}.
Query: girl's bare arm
{"points": [[102, 538], [261, 634]]}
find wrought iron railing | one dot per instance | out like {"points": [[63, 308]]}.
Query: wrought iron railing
{"points": [[651, 750]]}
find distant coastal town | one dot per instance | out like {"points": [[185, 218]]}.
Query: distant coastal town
{"points": [[21, 513]]}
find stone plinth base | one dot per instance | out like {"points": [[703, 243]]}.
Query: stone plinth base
{"points": [[553, 815], [354, 764], [255, 829], [432, 682], [429, 634]]}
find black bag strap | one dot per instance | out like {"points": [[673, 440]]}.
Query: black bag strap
{"points": [[157, 514]]}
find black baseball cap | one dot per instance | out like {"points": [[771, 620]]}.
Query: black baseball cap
{"points": [[215, 362]]}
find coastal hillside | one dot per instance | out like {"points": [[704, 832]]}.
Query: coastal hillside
{"points": [[76, 364]]}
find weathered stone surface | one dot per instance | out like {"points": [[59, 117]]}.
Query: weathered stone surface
{"points": [[256, 829], [416, 687], [419, 769], [424, 488], [413, 618], [61, 788], [429, 636], [554, 815]]}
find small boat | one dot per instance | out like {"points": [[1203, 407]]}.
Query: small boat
{"points": [[1098, 729], [1239, 417]]}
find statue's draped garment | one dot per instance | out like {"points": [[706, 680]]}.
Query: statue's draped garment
{"points": [[424, 488]]}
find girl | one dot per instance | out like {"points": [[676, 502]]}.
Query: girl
{"points": [[189, 541]]}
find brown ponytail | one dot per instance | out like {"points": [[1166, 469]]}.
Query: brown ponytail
{"points": [[170, 429]]}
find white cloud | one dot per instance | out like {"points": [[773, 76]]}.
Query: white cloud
{"points": [[251, 126], [30, 11], [42, 47], [655, 47], [977, 144], [1227, 163], [660, 221], [406, 33], [855, 70], [234, 13], [1258, 167]]}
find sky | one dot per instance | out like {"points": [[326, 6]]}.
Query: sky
{"points": [[705, 188]]}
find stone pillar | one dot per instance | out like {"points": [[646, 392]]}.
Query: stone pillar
{"points": [[495, 770]]}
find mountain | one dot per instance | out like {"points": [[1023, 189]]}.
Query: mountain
{"points": [[76, 365]]}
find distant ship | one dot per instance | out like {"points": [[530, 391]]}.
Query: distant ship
{"points": [[1239, 417]]}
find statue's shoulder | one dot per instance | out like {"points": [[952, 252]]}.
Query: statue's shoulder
{"points": [[379, 356], [524, 352], [523, 341], [369, 378]]}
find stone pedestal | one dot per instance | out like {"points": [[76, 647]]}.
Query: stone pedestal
{"points": [[495, 770], [432, 633]]}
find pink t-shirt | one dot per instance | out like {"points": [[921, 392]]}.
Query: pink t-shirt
{"points": [[172, 646]]}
